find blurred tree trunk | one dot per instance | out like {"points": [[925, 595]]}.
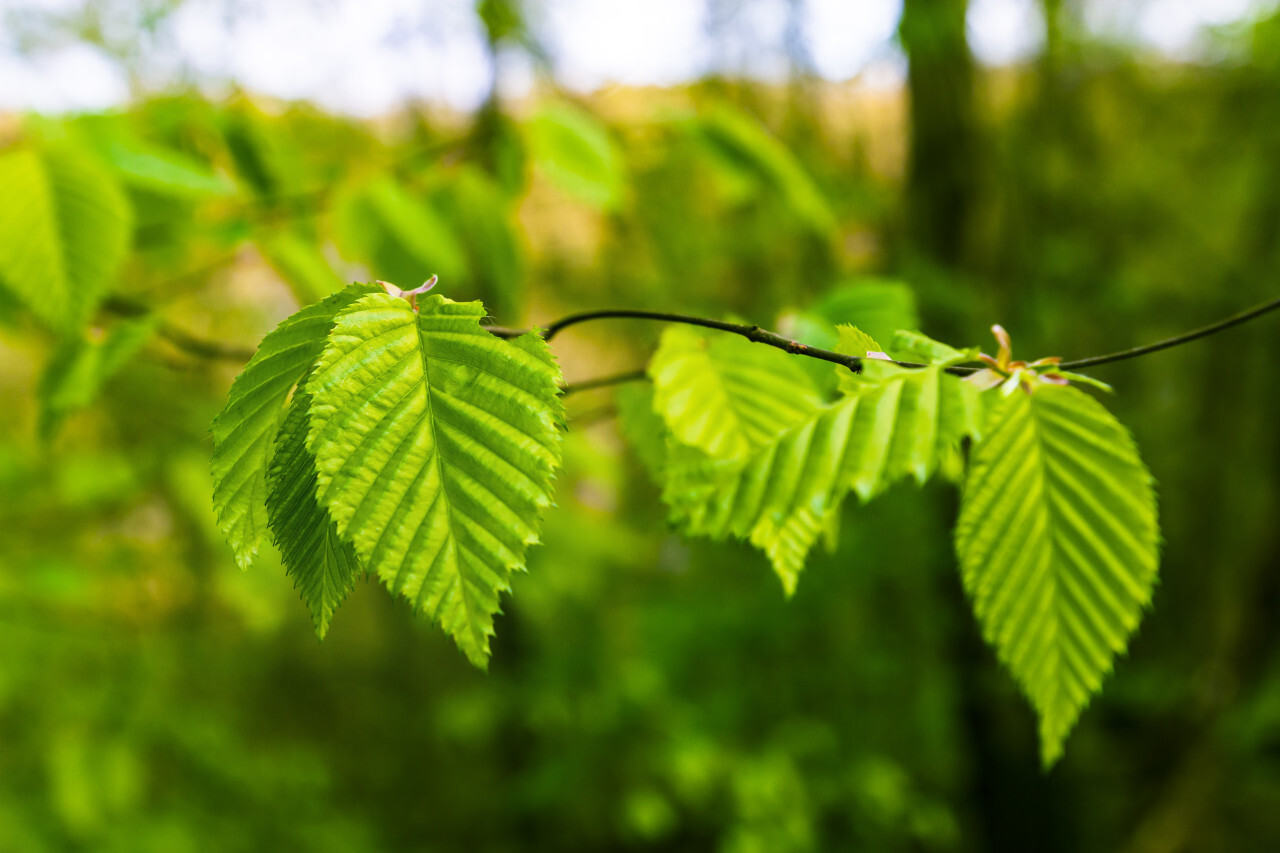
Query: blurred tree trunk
{"points": [[940, 167], [1053, 100], [1016, 807], [1054, 24]]}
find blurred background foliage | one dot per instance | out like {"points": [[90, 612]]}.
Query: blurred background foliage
{"points": [[645, 693]]}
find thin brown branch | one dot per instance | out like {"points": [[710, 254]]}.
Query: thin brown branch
{"points": [[854, 363], [1177, 340], [755, 334]]}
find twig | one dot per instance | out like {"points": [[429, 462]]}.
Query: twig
{"points": [[758, 335], [604, 381], [216, 350], [1233, 320], [505, 333], [589, 417], [202, 348], [755, 334], [180, 338]]}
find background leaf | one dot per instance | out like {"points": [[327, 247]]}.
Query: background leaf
{"points": [[64, 231], [300, 262], [643, 428], [742, 141], [147, 165], [575, 152], [82, 365], [482, 216], [400, 237], [877, 307]]}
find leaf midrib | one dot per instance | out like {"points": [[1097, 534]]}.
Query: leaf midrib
{"points": [[1052, 524], [440, 473]]}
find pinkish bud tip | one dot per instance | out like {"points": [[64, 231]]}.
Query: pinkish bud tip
{"points": [[411, 296], [424, 287], [1002, 337]]}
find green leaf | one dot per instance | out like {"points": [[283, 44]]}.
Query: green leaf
{"points": [[1058, 547], [1081, 379], [244, 431], [913, 346], [80, 366], [575, 152], [784, 494], [323, 566], [64, 230], [877, 307], [853, 341], [436, 445], [787, 541], [725, 395]]}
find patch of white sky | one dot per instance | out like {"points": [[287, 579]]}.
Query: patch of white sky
{"points": [[365, 57], [1174, 27], [632, 42]]}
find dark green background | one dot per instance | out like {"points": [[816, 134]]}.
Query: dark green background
{"points": [[646, 692]]}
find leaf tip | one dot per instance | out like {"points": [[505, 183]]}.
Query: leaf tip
{"points": [[479, 657], [1050, 753], [245, 558]]}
